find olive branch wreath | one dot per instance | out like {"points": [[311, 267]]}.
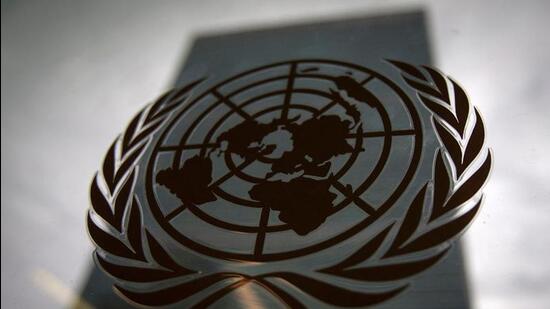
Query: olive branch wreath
{"points": [[461, 168]]}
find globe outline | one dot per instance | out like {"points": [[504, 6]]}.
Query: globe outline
{"points": [[159, 216]]}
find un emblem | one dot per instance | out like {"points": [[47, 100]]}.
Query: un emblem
{"points": [[302, 177]]}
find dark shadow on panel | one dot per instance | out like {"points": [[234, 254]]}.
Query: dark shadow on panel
{"points": [[98, 291]]}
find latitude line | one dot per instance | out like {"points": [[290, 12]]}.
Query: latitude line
{"points": [[348, 193], [260, 238], [288, 92], [188, 146], [383, 133], [232, 105]]}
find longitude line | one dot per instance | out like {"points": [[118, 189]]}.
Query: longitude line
{"points": [[175, 212], [356, 199], [231, 173], [232, 105], [366, 80], [260, 238], [288, 93]]}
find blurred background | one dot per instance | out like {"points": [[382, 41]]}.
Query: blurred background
{"points": [[74, 72]]}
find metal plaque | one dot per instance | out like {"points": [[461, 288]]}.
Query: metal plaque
{"points": [[309, 166]]}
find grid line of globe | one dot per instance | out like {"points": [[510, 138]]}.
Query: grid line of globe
{"points": [[233, 222]]}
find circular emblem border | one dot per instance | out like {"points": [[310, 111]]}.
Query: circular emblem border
{"points": [[379, 212], [451, 200]]}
